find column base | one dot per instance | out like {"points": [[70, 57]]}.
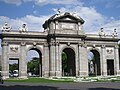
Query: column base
{"points": [[104, 73], [82, 74], [58, 73], [52, 73], [23, 77], [46, 74], [5, 74], [23, 74], [118, 72]]}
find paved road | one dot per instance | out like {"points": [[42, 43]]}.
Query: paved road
{"points": [[60, 86]]}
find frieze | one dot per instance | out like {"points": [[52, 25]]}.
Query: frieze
{"points": [[23, 43], [103, 46], [4, 44]]}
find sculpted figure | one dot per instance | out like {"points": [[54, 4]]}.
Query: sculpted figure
{"points": [[23, 28], [6, 28], [101, 33], [114, 34]]}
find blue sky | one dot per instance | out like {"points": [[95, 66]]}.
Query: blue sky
{"points": [[96, 13]]}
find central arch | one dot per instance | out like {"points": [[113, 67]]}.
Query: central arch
{"points": [[39, 58], [68, 62]]}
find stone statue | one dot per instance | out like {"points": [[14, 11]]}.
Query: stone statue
{"points": [[114, 34], [6, 28], [23, 28], [101, 33]]}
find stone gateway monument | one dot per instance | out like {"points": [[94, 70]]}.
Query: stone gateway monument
{"points": [[63, 33]]}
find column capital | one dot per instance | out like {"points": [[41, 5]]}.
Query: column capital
{"points": [[79, 44], [57, 43], [84, 45], [52, 43], [45, 44], [116, 46]]}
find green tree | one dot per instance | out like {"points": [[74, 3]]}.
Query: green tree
{"points": [[64, 61], [13, 67], [33, 66]]}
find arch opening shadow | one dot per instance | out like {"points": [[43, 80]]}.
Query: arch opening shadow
{"points": [[36, 62], [94, 64], [68, 62]]}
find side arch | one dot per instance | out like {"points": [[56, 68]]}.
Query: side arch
{"points": [[39, 51], [95, 63]]}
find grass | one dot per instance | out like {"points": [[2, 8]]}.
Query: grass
{"points": [[64, 79], [37, 80]]}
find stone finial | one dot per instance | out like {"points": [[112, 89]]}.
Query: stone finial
{"points": [[114, 34], [58, 11], [101, 32], [23, 28], [6, 28]]}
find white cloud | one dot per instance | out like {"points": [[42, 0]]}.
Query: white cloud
{"points": [[44, 2], [64, 2], [17, 2], [93, 19], [107, 3], [33, 23]]}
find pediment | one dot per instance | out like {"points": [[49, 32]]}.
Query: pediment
{"points": [[67, 19], [71, 18]]}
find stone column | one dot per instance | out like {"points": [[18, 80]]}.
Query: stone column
{"points": [[57, 59], [52, 59], [46, 60], [116, 62], [23, 61], [5, 60], [83, 61], [103, 61]]}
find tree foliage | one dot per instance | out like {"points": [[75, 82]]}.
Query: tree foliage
{"points": [[13, 67], [64, 60], [33, 66]]}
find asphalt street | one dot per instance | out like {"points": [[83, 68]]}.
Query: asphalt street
{"points": [[61, 86]]}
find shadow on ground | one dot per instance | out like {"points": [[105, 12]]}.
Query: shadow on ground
{"points": [[25, 87], [102, 89], [22, 87]]}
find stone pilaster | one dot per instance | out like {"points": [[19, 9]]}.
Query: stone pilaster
{"points": [[116, 57], [103, 61], [77, 60], [52, 59], [23, 61], [5, 60], [46, 61], [83, 62], [57, 59]]}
